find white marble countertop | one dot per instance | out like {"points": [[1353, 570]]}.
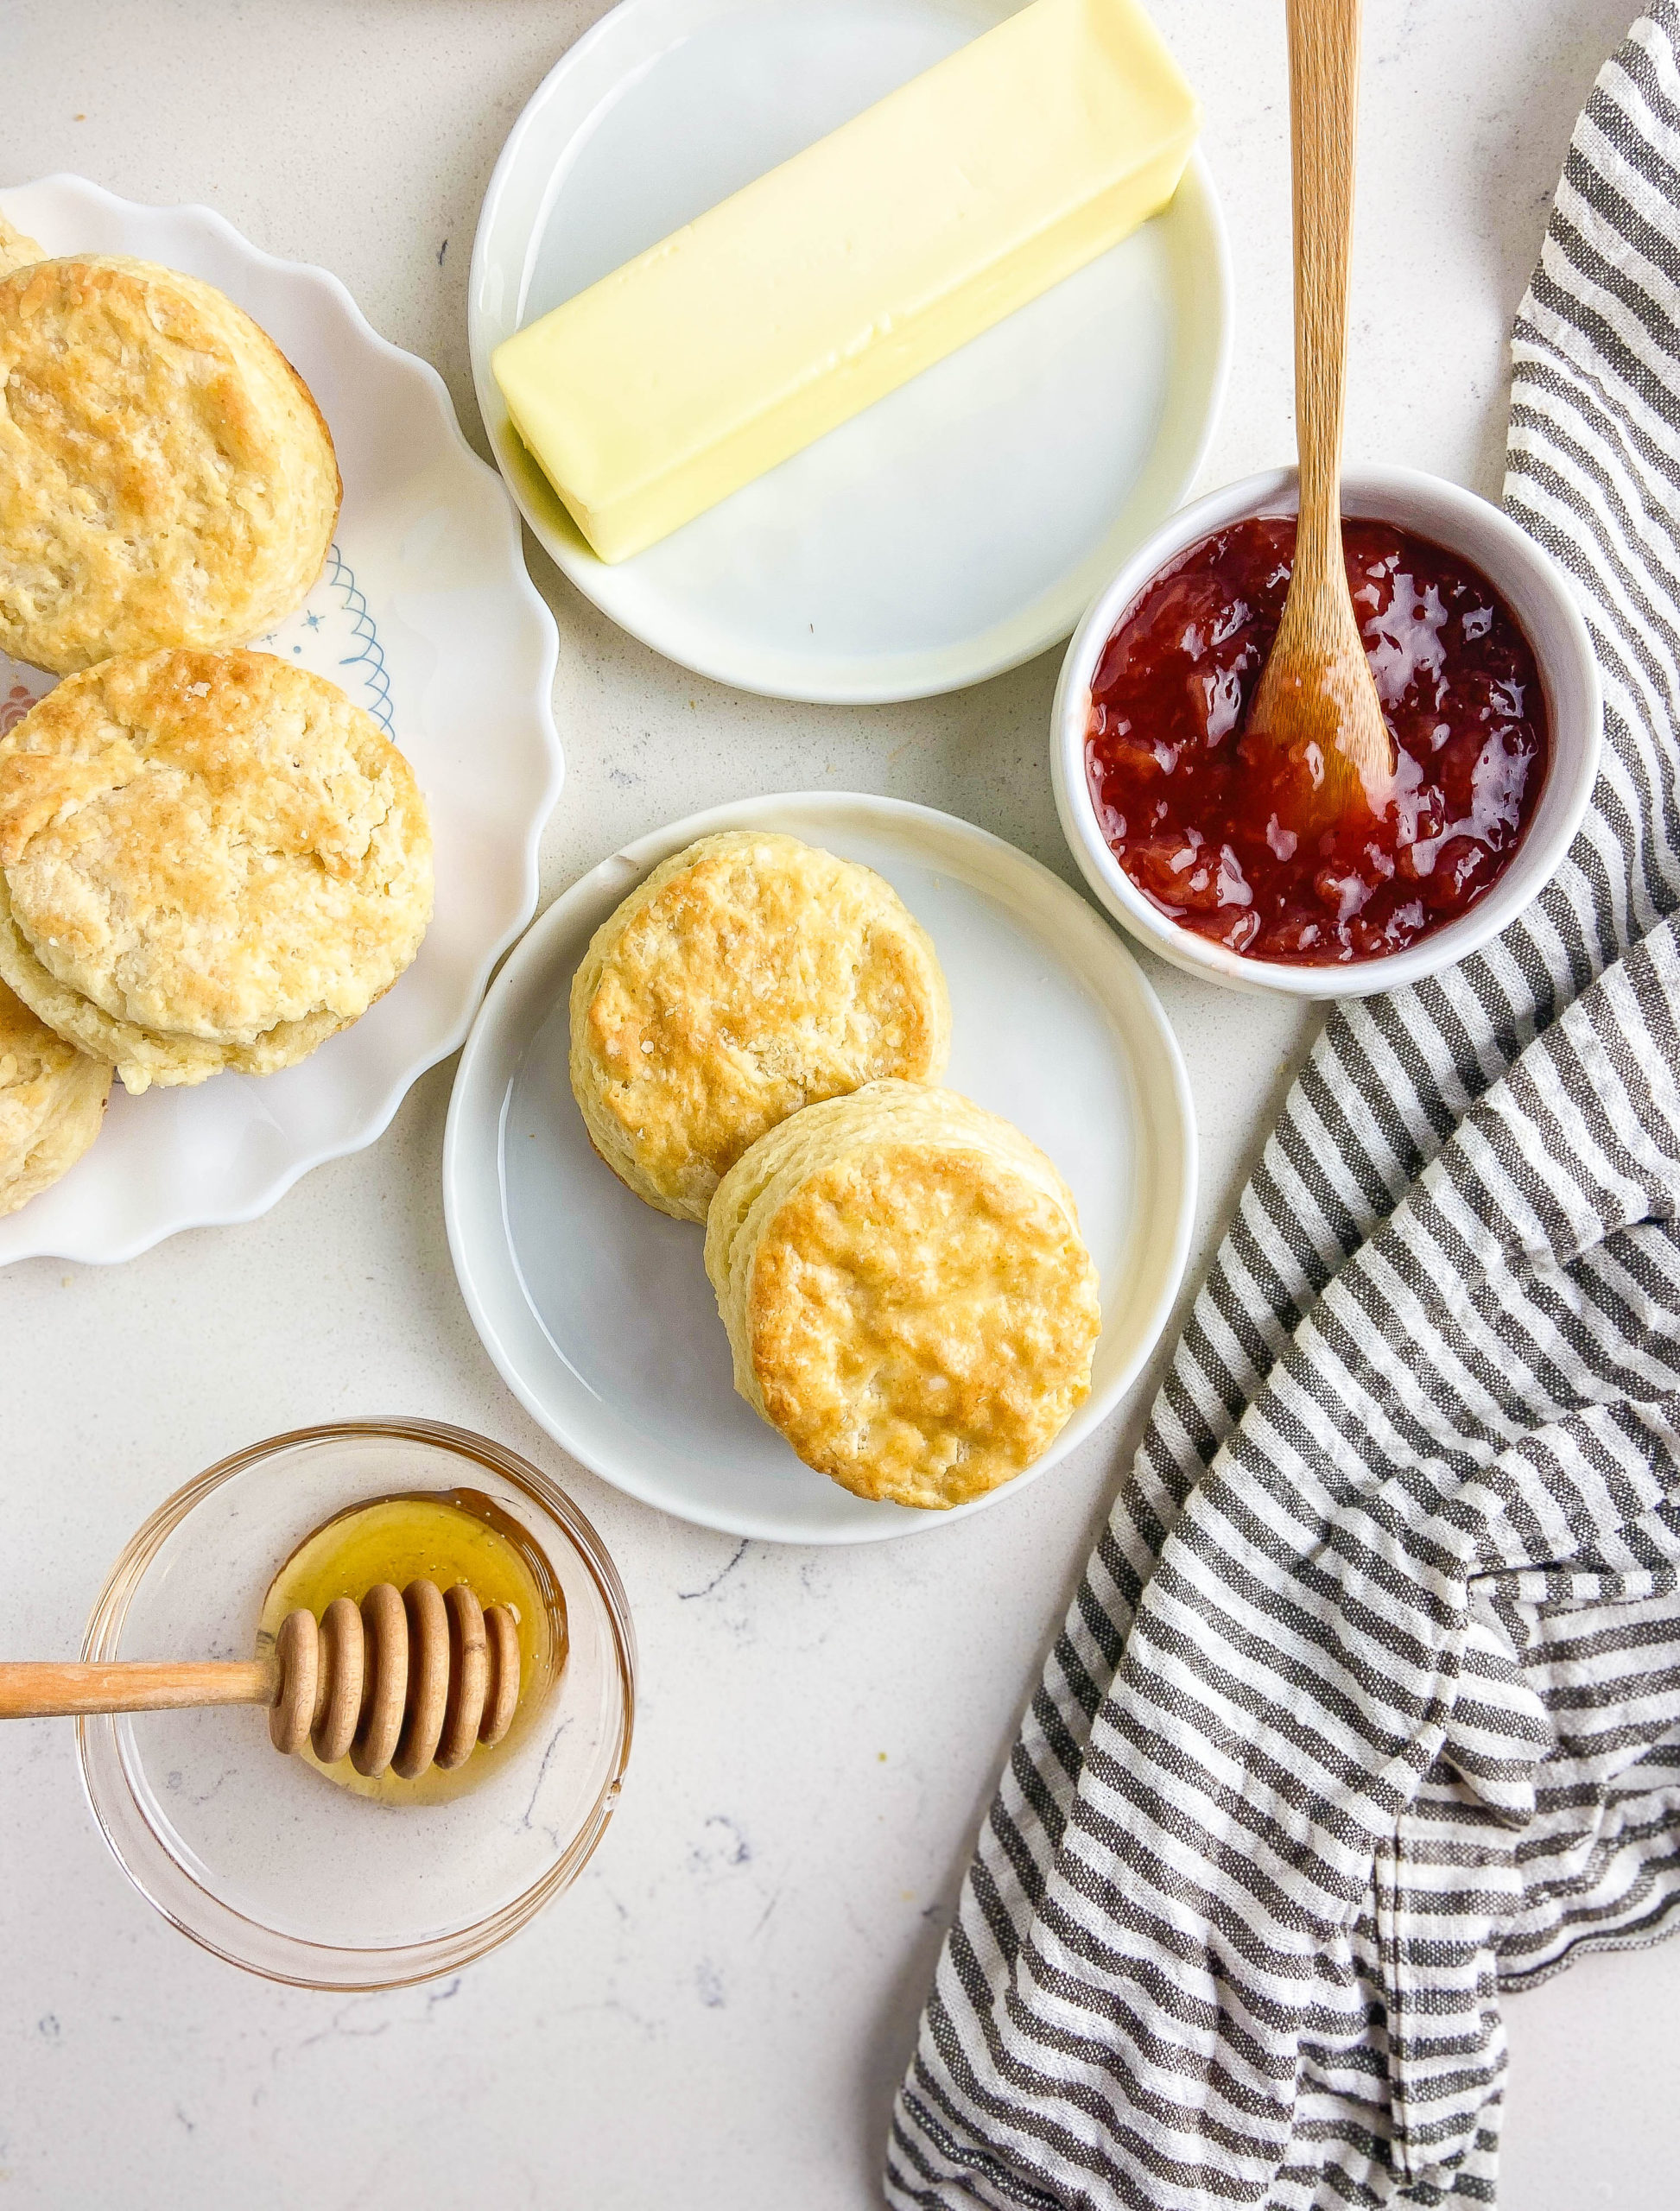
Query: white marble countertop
{"points": [[718, 2013]]}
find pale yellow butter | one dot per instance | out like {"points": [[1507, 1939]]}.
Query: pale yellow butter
{"points": [[826, 284]]}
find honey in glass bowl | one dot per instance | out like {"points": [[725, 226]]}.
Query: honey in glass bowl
{"points": [[445, 1537]]}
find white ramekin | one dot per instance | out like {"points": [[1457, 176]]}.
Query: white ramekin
{"points": [[1536, 594]]}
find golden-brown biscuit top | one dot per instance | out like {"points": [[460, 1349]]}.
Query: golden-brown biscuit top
{"points": [[751, 975], [165, 476], [209, 844], [907, 1292]]}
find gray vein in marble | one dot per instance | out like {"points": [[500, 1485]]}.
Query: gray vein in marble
{"points": [[687, 1596], [527, 1818]]}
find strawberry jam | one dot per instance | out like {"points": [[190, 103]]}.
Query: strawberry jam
{"points": [[1187, 811]]}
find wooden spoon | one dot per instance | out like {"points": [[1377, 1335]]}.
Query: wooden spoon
{"points": [[407, 1680], [1315, 721]]}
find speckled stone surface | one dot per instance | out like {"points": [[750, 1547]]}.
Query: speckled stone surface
{"points": [[717, 2014]]}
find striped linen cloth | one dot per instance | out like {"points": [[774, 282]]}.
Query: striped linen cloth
{"points": [[1367, 1709]]}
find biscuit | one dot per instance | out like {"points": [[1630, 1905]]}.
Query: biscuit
{"points": [[208, 860], [906, 1293], [16, 251], [749, 976], [52, 1103], [165, 476]]}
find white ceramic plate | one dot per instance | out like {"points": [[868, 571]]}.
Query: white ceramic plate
{"points": [[955, 528], [425, 616], [597, 1309]]}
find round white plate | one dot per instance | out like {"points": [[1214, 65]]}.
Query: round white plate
{"points": [[425, 616], [597, 1309], [950, 532]]}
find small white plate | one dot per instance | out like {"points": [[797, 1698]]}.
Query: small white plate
{"points": [[597, 1309], [959, 526], [425, 616]]}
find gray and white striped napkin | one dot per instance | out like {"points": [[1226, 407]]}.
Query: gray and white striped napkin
{"points": [[1368, 1707]]}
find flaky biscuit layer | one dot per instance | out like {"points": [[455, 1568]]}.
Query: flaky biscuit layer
{"points": [[750, 975], [51, 1104], [906, 1293], [17, 250], [166, 477], [206, 860]]}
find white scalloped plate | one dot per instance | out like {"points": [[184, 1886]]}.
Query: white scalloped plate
{"points": [[597, 1309], [958, 527], [425, 616]]}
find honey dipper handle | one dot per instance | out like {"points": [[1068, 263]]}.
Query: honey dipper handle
{"points": [[30, 1692], [1324, 81]]}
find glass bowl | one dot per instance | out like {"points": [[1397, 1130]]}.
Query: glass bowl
{"points": [[261, 1859]]}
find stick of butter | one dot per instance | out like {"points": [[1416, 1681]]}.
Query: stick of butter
{"points": [[822, 287]]}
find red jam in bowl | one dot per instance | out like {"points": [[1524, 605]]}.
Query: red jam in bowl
{"points": [[1188, 817]]}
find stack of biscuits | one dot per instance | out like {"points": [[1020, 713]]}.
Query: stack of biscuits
{"points": [[757, 1038], [209, 859]]}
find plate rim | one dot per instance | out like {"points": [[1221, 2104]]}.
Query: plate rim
{"points": [[373, 1124], [469, 1117], [593, 577]]}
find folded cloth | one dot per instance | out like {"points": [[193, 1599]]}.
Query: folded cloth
{"points": [[1368, 1707]]}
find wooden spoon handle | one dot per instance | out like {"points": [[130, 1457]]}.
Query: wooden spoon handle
{"points": [[1324, 74], [29, 1692]]}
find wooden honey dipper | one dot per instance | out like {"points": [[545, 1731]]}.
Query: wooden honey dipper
{"points": [[407, 1680]]}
